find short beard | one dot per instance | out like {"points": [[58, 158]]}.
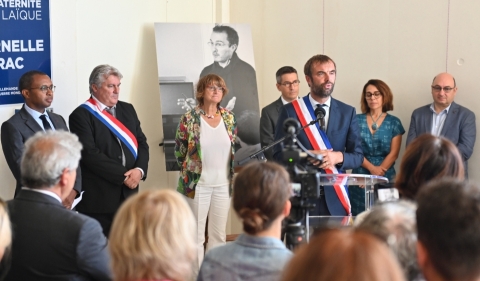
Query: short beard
{"points": [[319, 91]]}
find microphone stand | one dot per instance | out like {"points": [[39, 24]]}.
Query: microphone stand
{"points": [[253, 155], [322, 123]]}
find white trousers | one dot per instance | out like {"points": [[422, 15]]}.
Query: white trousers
{"points": [[213, 202]]}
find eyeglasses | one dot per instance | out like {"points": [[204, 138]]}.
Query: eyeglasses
{"points": [[371, 95], [45, 88], [438, 89], [214, 88], [289, 84], [216, 44]]}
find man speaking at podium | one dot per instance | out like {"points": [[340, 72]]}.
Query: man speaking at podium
{"points": [[339, 143]]}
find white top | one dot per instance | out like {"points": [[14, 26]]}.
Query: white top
{"points": [[216, 146]]}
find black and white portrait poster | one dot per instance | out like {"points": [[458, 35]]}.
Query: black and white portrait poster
{"points": [[188, 51]]}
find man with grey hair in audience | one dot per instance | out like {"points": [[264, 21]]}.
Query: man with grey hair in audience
{"points": [[448, 224], [115, 150], [49, 241], [395, 224]]}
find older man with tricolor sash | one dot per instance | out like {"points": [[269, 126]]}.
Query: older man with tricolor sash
{"points": [[115, 150]]}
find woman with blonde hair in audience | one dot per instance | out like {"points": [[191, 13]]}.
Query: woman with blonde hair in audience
{"points": [[343, 254], [153, 238], [5, 239], [426, 158], [261, 200]]}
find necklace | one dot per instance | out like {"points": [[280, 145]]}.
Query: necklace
{"points": [[208, 115], [374, 125]]}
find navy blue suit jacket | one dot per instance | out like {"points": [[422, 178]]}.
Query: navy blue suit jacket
{"points": [[344, 136]]}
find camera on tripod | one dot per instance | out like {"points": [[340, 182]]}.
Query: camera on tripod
{"points": [[305, 184]]}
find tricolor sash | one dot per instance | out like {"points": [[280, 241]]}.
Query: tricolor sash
{"points": [[319, 141], [114, 125]]}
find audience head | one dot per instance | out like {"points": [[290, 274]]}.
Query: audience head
{"points": [[426, 158], [207, 81], [287, 82], [343, 254], [37, 90], [448, 223], [261, 195], [50, 159], [5, 240], [5, 229], [395, 224], [369, 92], [152, 237]]}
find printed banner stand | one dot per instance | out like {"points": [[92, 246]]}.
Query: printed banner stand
{"points": [[24, 44]]}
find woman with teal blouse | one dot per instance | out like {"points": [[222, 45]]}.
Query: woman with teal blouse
{"points": [[381, 135]]}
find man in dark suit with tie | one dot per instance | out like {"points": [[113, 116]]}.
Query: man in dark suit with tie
{"points": [[37, 90], [288, 84], [339, 145], [49, 241], [115, 150], [445, 118]]}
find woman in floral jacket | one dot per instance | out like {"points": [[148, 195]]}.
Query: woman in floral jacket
{"points": [[204, 148]]}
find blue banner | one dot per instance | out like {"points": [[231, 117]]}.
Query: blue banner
{"points": [[24, 43]]}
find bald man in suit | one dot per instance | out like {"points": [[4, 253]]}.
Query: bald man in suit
{"points": [[37, 90], [445, 118]]}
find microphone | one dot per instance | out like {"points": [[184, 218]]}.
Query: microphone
{"points": [[291, 126], [320, 112]]}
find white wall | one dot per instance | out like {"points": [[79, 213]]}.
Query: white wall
{"points": [[403, 42]]}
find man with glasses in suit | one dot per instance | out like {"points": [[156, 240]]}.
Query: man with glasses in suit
{"points": [[288, 85], [37, 89], [445, 118]]}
